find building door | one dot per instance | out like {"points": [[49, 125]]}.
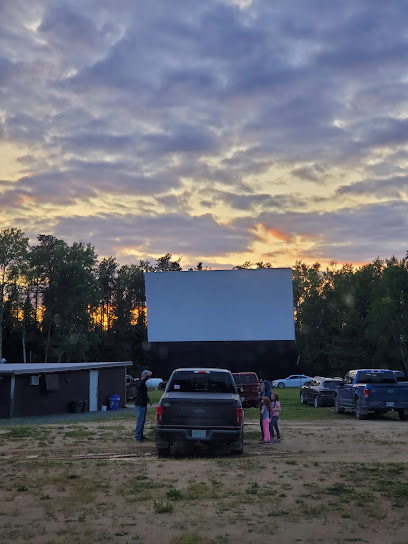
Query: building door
{"points": [[93, 390]]}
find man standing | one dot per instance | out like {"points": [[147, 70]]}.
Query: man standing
{"points": [[141, 400]]}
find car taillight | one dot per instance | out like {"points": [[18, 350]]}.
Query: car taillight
{"points": [[239, 416], [159, 414], [366, 392]]}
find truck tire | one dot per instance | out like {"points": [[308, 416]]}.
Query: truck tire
{"points": [[402, 415], [237, 448], [163, 451], [281, 385], [302, 398], [337, 408], [358, 411], [316, 402]]}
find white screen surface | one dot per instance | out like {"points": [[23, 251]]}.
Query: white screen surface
{"points": [[220, 305]]}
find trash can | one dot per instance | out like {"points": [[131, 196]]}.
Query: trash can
{"points": [[113, 402]]}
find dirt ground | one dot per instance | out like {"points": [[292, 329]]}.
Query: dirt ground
{"points": [[333, 482]]}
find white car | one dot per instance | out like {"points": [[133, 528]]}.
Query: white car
{"points": [[295, 380]]}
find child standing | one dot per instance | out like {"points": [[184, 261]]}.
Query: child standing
{"points": [[266, 419], [275, 410]]}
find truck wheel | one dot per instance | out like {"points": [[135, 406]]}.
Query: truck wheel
{"points": [[402, 415], [281, 385], [357, 409], [302, 399], [163, 451], [237, 448], [316, 402], [337, 408]]}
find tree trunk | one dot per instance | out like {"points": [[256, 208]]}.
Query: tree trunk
{"points": [[2, 312]]}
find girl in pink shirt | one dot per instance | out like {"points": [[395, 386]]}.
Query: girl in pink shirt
{"points": [[266, 419], [275, 410]]}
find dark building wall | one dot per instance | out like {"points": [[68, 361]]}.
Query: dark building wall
{"points": [[5, 396], [269, 359], [53, 397], [112, 381]]}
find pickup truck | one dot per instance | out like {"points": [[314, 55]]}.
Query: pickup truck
{"points": [[371, 390], [200, 406]]}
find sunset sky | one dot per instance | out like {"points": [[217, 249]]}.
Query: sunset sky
{"points": [[220, 131]]}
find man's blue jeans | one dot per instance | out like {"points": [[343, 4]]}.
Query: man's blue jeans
{"points": [[140, 421]]}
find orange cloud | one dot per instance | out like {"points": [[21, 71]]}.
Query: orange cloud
{"points": [[263, 231]]}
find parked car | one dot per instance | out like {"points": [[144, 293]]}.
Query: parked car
{"points": [[295, 380], [200, 406], [320, 391], [371, 390], [400, 376], [248, 387]]}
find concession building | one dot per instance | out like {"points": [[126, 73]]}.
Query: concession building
{"points": [[54, 388], [242, 320]]}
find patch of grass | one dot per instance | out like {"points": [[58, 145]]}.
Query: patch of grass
{"points": [[398, 494], [339, 488], [278, 512], [253, 488], [192, 538], [79, 433], [20, 433], [174, 494], [199, 490], [162, 507]]}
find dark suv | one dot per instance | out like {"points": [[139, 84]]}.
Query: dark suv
{"points": [[248, 387], [319, 391]]}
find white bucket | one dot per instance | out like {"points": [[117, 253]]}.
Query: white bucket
{"points": [[104, 408]]}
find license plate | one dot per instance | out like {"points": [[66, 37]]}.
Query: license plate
{"points": [[389, 403], [197, 433]]}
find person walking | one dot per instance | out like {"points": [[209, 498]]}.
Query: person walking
{"points": [[141, 400], [275, 411], [266, 419]]}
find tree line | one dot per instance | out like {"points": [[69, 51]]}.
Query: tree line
{"points": [[59, 303]]}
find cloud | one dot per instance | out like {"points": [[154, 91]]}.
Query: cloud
{"points": [[155, 234], [152, 113], [392, 187]]}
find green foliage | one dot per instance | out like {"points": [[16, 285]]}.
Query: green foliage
{"points": [[58, 303], [347, 317], [174, 494], [13, 255]]}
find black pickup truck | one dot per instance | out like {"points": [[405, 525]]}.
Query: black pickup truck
{"points": [[200, 406], [371, 390]]}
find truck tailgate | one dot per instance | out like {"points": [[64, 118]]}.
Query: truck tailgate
{"points": [[384, 392], [199, 409]]}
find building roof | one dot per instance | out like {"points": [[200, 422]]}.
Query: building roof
{"points": [[43, 368]]}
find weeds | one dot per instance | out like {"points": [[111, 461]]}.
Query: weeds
{"points": [[174, 494], [162, 507]]}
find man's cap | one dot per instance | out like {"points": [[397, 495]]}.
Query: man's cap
{"points": [[145, 372]]}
